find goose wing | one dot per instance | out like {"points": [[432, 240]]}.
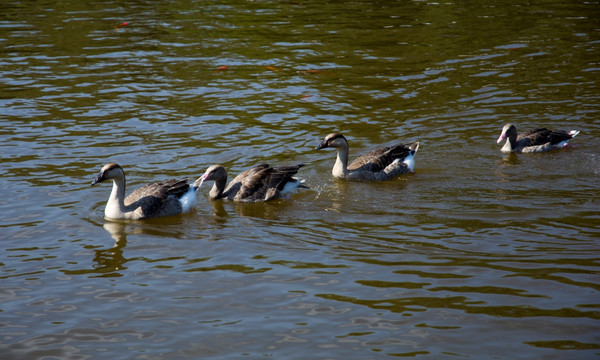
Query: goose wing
{"points": [[255, 184], [282, 175], [379, 159], [543, 136], [266, 183], [533, 137], [149, 199], [235, 185], [558, 136]]}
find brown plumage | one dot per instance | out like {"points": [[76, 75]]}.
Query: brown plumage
{"points": [[260, 183]]}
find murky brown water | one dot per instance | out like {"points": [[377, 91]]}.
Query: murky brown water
{"points": [[478, 255]]}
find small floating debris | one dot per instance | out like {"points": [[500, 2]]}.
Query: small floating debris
{"points": [[314, 71]]}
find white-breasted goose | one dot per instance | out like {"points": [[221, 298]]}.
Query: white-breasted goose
{"points": [[537, 140], [260, 183], [169, 197], [380, 164]]}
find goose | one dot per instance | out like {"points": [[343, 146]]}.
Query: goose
{"points": [[380, 164], [538, 140], [260, 183], [169, 197]]}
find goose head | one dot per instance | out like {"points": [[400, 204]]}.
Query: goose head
{"points": [[508, 131], [214, 172], [109, 171], [334, 140]]}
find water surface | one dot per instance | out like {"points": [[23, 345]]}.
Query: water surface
{"points": [[477, 255]]}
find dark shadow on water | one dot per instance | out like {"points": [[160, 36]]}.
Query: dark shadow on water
{"points": [[510, 159], [110, 261], [263, 210], [269, 210]]}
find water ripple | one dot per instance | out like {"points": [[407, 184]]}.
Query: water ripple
{"points": [[476, 253]]}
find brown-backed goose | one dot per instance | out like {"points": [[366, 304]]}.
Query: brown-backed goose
{"points": [[170, 197], [380, 164], [260, 183], [538, 140]]}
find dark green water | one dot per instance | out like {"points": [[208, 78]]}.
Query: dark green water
{"points": [[477, 255]]}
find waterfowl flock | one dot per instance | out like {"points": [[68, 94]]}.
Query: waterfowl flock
{"points": [[265, 183]]}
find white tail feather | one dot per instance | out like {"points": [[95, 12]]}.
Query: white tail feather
{"points": [[409, 161], [188, 200], [291, 187]]}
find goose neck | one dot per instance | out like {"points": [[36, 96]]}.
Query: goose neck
{"points": [[512, 140], [217, 190], [340, 168], [116, 201], [511, 143]]}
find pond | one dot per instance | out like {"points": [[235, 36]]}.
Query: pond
{"points": [[478, 254]]}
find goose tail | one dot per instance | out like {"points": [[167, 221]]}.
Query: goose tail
{"points": [[414, 147], [573, 133]]}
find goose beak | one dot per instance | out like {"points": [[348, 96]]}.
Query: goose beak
{"points": [[202, 179], [98, 178], [198, 182], [322, 145], [502, 137]]}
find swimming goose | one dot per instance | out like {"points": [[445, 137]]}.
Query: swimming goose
{"points": [[170, 197], [538, 140], [260, 183], [380, 164]]}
